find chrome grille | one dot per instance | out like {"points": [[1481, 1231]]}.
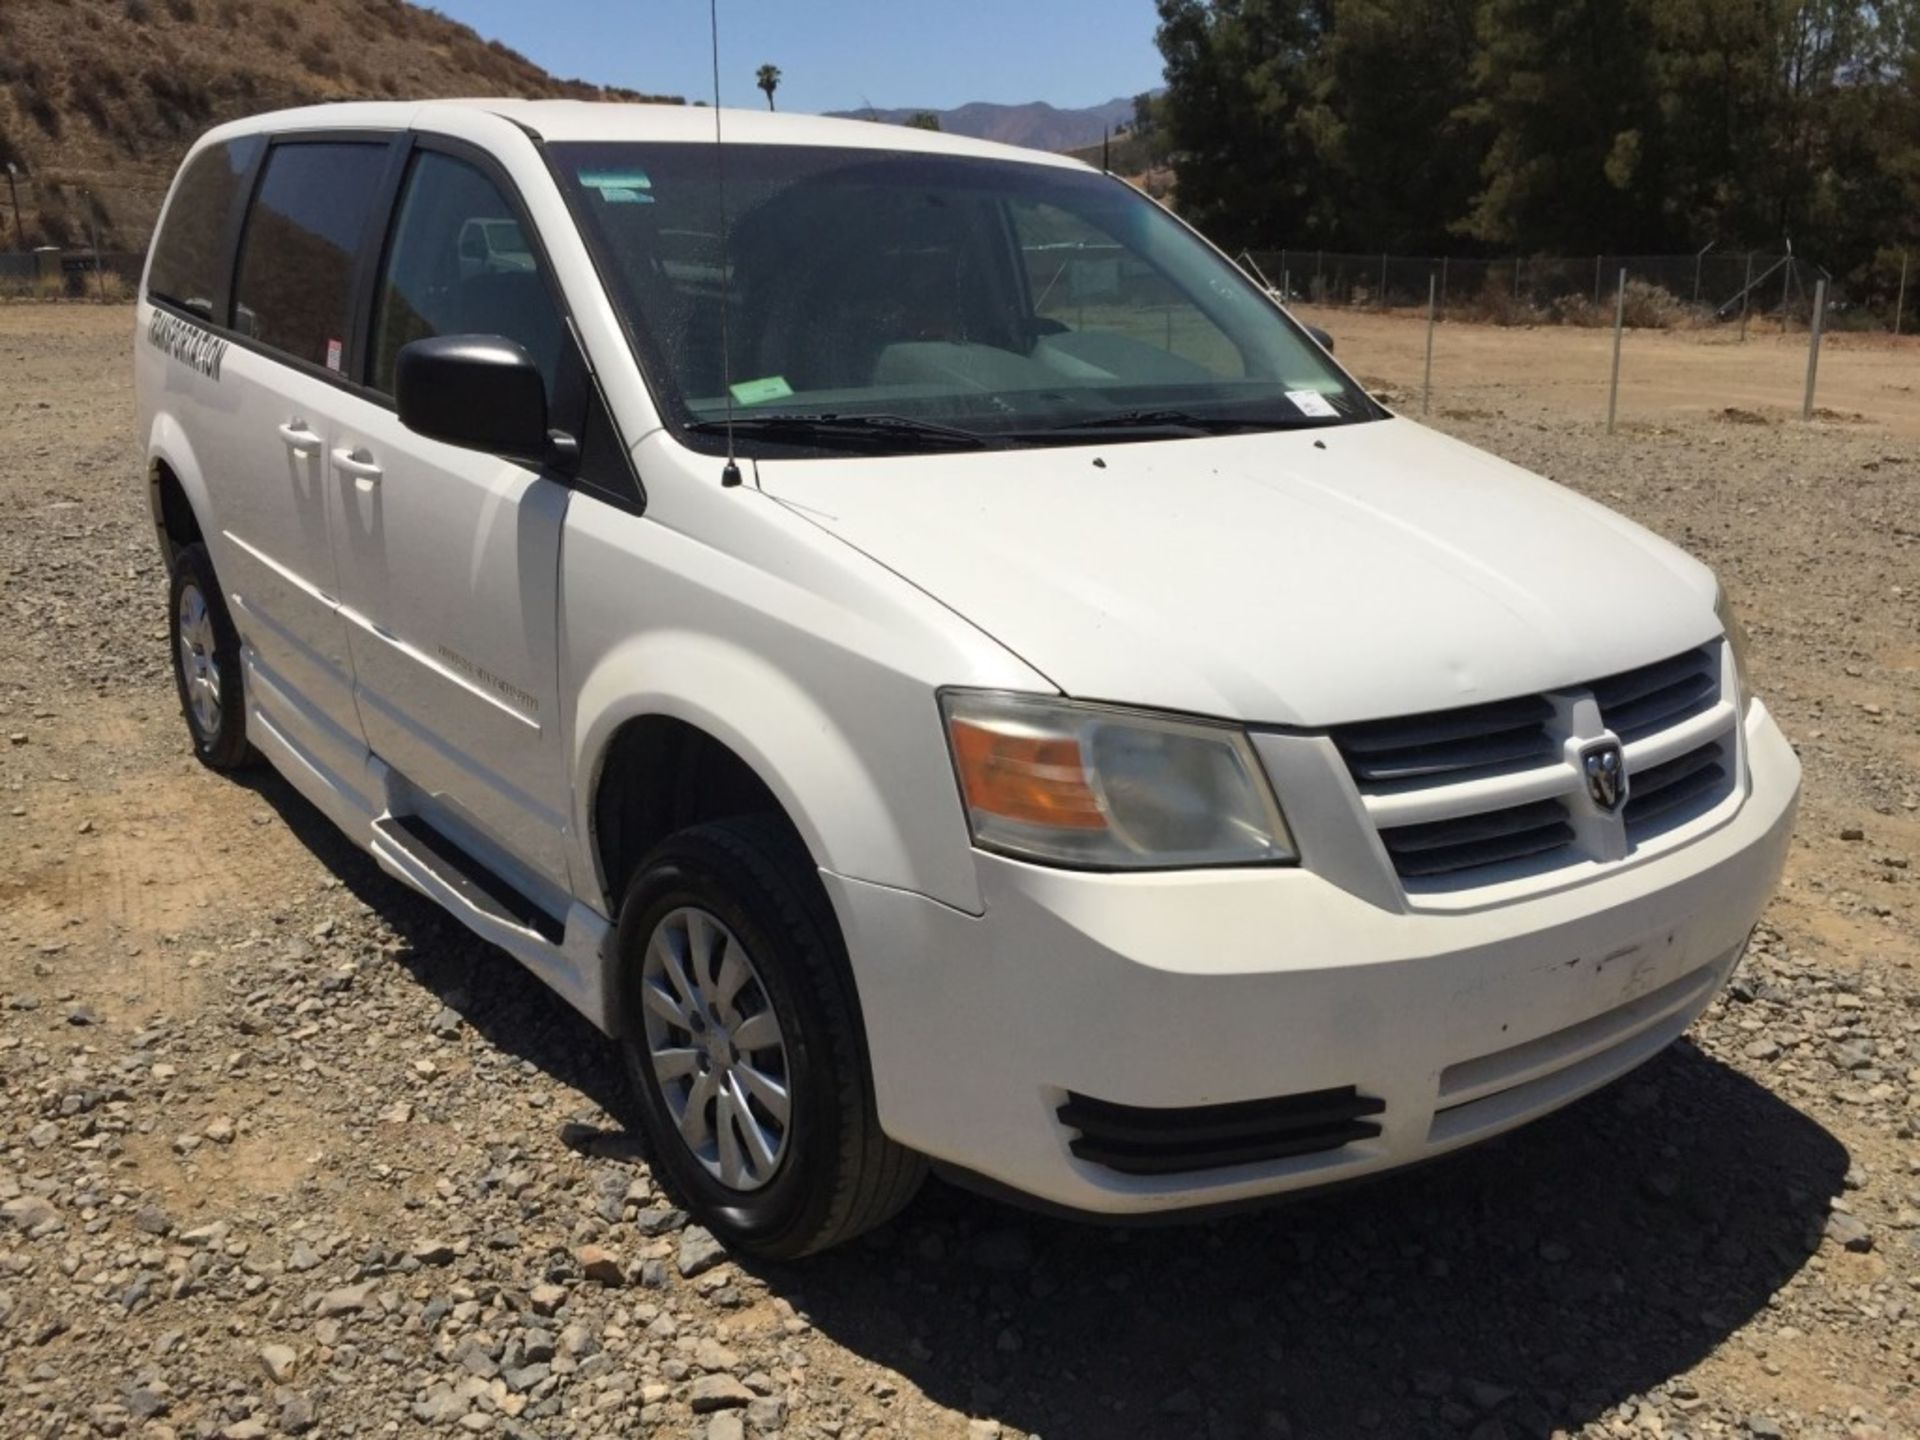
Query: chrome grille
{"points": [[1495, 792]]}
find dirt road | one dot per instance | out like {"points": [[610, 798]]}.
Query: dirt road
{"points": [[283, 1151]]}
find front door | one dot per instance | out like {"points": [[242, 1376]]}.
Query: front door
{"points": [[449, 558]]}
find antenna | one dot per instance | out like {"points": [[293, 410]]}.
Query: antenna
{"points": [[730, 476]]}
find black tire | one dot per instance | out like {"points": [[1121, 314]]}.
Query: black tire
{"points": [[838, 1174], [219, 729]]}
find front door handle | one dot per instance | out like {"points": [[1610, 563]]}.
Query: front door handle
{"points": [[360, 465], [299, 438]]}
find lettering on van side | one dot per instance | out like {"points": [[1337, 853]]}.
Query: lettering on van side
{"points": [[485, 678], [189, 344]]}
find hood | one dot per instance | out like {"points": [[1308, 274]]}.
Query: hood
{"points": [[1299, 578]]}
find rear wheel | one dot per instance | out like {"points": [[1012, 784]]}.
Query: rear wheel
{"points": [[206, 663], [743, 1044]]}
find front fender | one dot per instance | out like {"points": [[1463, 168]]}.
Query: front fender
{"points": [[850, 820]]}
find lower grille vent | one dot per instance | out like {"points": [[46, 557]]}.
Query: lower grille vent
{"points": [[1138, 1141]]}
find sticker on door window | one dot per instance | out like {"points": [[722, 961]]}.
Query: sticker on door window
{"points": [[333, 354]]}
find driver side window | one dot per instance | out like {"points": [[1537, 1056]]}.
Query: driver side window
{"points": [[457, 263]]}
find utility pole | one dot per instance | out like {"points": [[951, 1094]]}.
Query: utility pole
{"points": [[19, 230]]}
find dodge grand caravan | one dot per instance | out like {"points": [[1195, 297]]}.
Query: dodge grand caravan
{"points": [[914, 644]]}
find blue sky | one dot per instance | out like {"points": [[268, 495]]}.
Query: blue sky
{"points": [[838, 56]]}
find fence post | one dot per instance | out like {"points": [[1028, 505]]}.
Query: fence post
{"points": [[1619, 325], [93, 234], [1433, 301], [1786, 291], [1443, 279], [1813, 346], [1319, 284], [1900, 305], [1746, 298], [1702, 255], [19, 230]]}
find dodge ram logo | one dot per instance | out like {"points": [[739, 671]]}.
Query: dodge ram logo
{"points": [[1606, 775]]}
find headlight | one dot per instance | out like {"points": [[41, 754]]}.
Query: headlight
{"points": [[1101, 788], [1736, 641]]}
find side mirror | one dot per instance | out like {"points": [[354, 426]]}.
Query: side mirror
{"points": [[1320, 337], [481, 392]]}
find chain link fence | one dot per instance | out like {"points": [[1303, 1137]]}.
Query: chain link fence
{"points": [[54, 274], [1713, 287]]}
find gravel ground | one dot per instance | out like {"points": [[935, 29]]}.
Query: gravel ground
{"points": [[285, 1152]]}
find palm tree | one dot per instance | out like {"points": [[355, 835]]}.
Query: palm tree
{"points": [[768, 80]]}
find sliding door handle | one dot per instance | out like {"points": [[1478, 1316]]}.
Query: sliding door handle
{"points": [[299, 439], [360, 465]]}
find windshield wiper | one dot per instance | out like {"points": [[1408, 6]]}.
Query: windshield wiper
{"points": [[1169, 423], [801, 429]]}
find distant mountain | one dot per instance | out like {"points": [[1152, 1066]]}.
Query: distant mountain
{"points": [[1038, 126]]}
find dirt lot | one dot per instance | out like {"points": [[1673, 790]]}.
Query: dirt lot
{"points": [[1664, 375], [282, 1151]]}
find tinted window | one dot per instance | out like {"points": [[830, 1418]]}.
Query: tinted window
{"points": [[189, 256], [457, 264], [295, 288]]}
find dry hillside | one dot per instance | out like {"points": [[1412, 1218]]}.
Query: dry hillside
{"points": [[99, 98]]}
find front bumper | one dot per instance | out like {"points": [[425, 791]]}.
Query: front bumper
{"points": [[1203, 989]]}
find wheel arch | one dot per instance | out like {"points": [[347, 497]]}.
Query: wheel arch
{"points": [[176, 490], [756, 721]]}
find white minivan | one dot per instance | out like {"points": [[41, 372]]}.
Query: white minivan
{"points": [[914, 644]]}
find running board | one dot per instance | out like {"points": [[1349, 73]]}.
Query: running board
{"points": [[574, 958], [474, 887]]}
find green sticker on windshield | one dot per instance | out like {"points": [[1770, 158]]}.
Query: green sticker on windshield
{"points": [[619, 187], [758, 392]]}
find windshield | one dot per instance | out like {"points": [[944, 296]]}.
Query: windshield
{"points": [[909, 300]]}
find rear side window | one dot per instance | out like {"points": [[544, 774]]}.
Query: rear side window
{"points": [[189, 255], [458, 264], [295, 286]]}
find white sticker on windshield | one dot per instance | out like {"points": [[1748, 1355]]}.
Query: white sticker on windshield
{"points": [[1312, 402]]}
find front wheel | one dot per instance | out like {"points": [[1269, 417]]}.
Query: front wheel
{"points": [[743, 1044], [206, 663]]}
